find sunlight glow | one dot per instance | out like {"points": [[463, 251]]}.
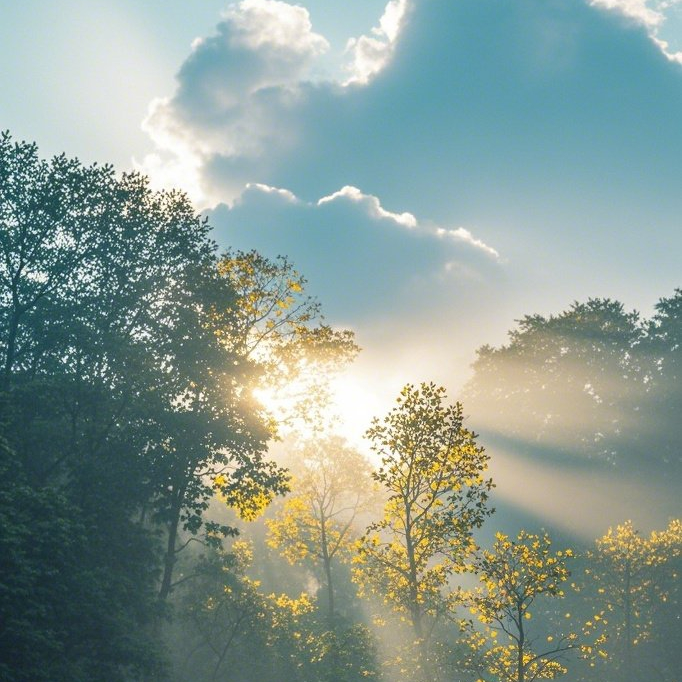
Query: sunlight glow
{"points": [[351, 404], [355, 403], [582, 502]]}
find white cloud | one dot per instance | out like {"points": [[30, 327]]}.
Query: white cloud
{"points": [[652, 14], [644, 12], [285, 194], [370, 54], [372, 205], [228, 90], [461, 234], [276, 26]]}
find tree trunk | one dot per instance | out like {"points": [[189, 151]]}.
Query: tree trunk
{"points": [[169, 557], [628, 625], [11, 350], [327, 571], [521, 643], [416, 614]]}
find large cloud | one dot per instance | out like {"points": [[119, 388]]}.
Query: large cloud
{"points": [[230, 90], [474, 91]]}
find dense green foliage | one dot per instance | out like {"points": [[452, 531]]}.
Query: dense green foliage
{"points": [[127, 375]]}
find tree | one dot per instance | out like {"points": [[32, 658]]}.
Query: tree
{"points": [[572, 383], [231, 625], [634, 580], [433, 471], [262, 330], [516, 576], [121, 389], [228, 624], [281, 328], [91, 268], [331, 488]]}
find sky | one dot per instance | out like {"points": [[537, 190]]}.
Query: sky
{"points": [[436, 168]]}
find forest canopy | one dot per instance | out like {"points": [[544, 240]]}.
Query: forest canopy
{"points": [[158, 522]]}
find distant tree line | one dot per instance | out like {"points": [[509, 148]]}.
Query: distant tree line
{"points": [[594, 381]]}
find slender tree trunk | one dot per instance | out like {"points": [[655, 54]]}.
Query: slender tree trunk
{"points": [[326, 559], [521, 643], [416, 615], [169, 557], [330, 589], [628, 625]]}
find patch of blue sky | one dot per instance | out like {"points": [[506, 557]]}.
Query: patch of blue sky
{"points": [[671, 30]]}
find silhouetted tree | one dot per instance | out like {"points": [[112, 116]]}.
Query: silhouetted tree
{"points": [[571, 382]]}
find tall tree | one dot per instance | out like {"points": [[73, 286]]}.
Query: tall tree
{"points": [[95, 272], [571, 382], [433, 472], [259, 330], [332, 485]]}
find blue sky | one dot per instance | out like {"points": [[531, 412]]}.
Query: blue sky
{"points": [[436, 169]]}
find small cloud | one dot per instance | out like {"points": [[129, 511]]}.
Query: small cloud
{"points": [[463, 235], [285, 194], [372, 204], [652, 14], [370, 54], [375, 210], [664, 46], [361, 259]]}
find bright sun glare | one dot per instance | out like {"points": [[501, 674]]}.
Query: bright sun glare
{"points": [[352, 404]]}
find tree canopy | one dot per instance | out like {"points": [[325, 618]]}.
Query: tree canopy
{"points": [[594, 381], [144, 377]]}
